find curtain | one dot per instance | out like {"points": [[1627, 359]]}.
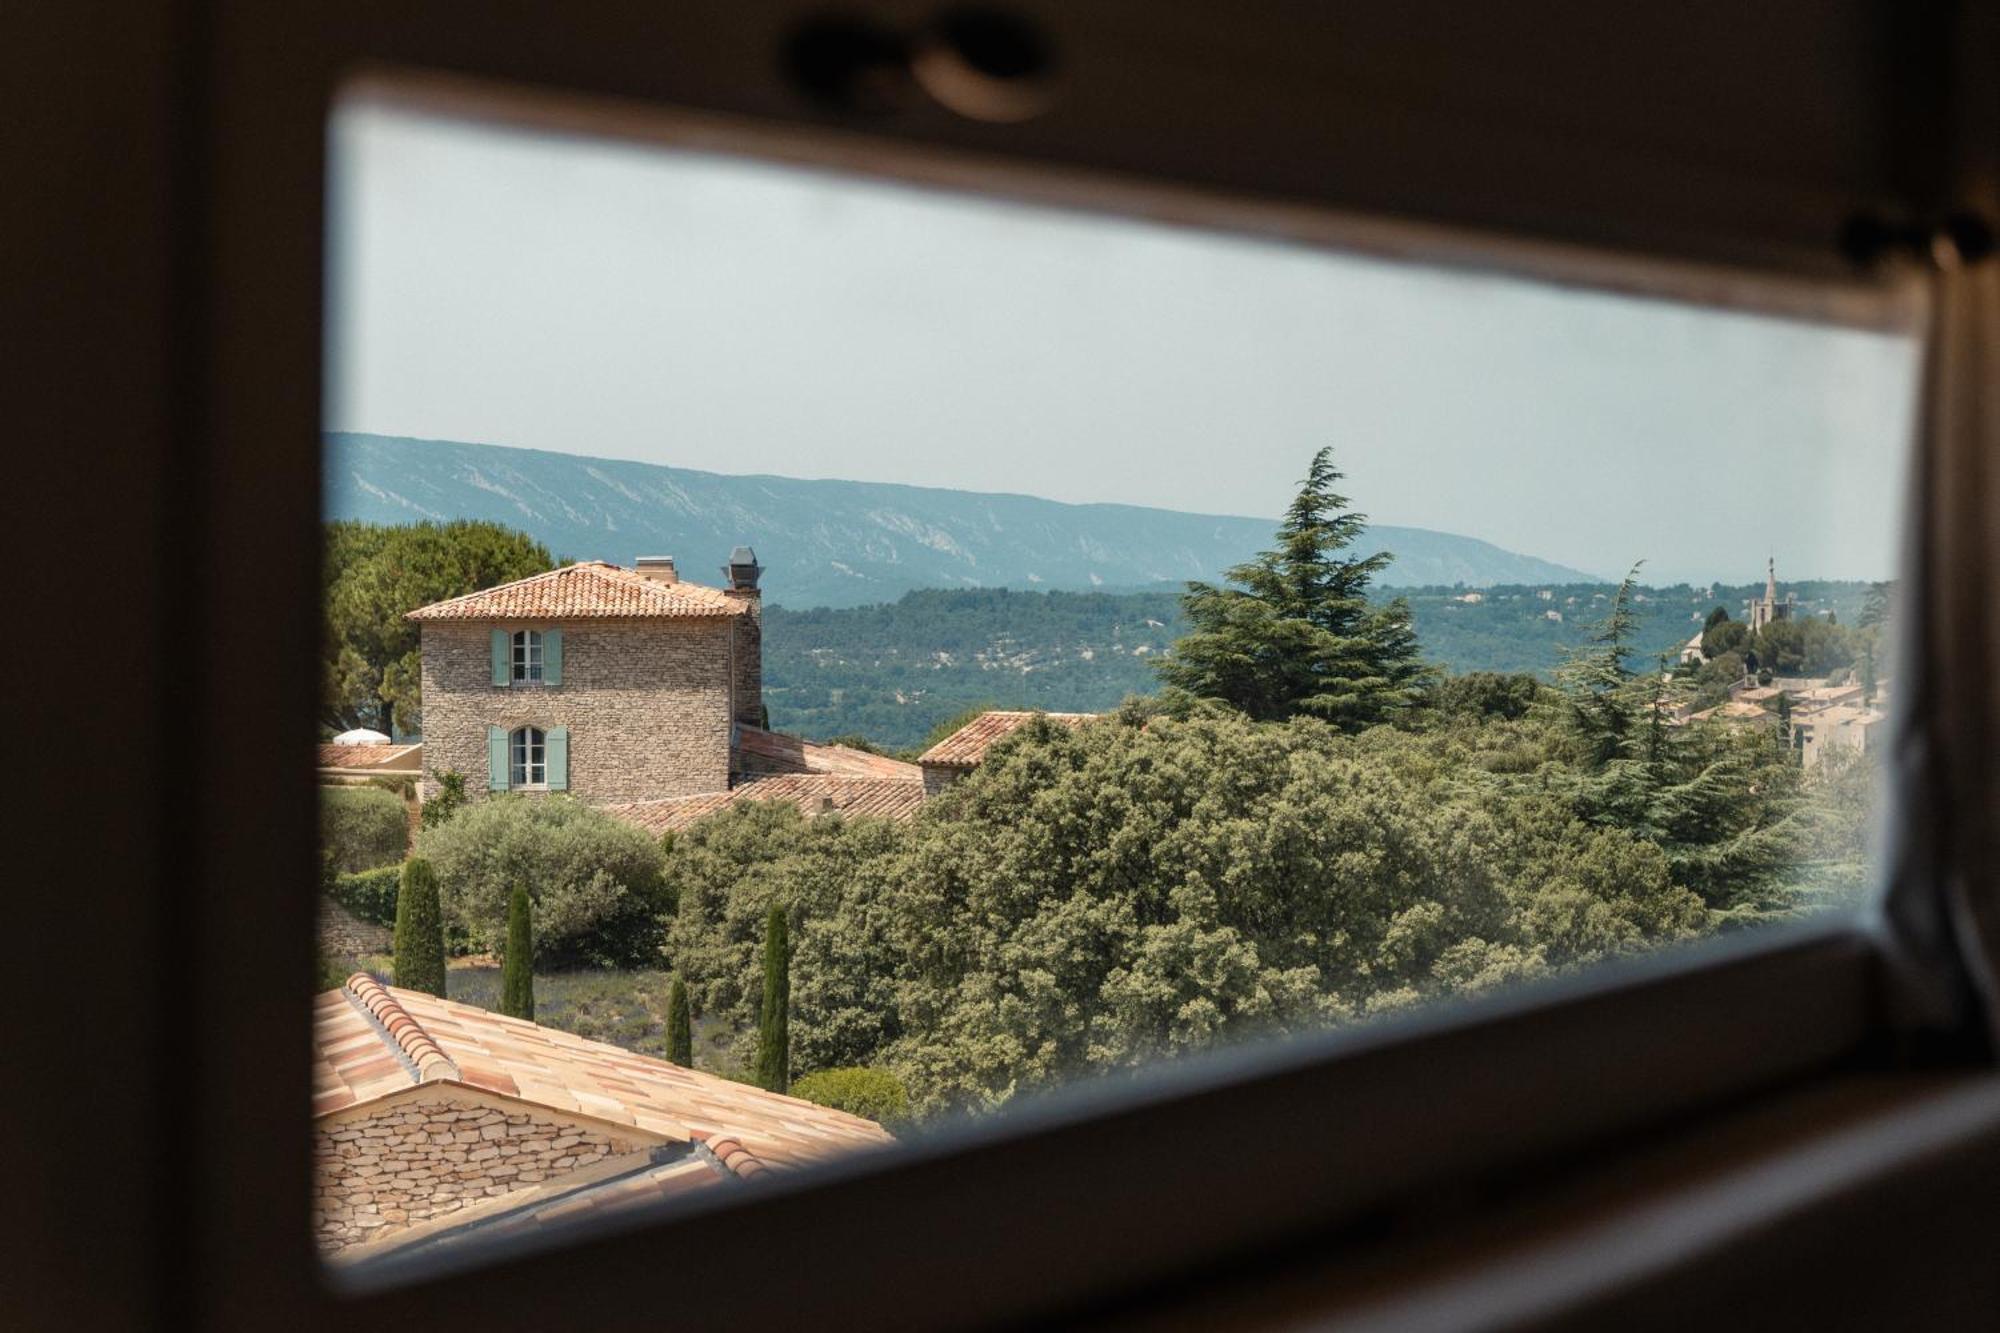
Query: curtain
{"points": [[1943, 906]]}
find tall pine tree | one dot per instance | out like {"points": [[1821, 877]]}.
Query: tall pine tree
{"points": [[1596, 682], [1297, 633], [774, 1031], [517, 969], [1718, 802]]}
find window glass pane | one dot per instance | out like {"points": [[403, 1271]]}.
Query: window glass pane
{"points": [[1101, 641]]}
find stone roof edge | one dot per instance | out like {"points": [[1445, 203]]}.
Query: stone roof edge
{"points": [[727, 1154], [419, 1051]]}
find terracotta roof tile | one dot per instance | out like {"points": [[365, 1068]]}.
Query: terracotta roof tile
{"points": [[594, 590], [355, 1057], [967, 746], [775, 752], [813, 793], [363, 756]]}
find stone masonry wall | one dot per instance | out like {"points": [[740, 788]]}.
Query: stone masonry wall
{"points": [[343, 935], [749, 663], [420, 1159], [646, 703]]}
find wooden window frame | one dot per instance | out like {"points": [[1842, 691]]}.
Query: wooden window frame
{"points": [[525, 657], [1107, 1188], [523, 744]]}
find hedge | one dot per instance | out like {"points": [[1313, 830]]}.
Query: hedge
{"points": [[363, 827], [370, 895]]}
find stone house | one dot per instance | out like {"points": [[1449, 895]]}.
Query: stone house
{"points": [[614, 684], [434, 1122], [631, 689]]}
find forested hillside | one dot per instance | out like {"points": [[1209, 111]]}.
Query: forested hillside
{"points": [[891, 672]]}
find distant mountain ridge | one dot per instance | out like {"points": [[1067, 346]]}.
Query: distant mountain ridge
{"points": [[844, 543]]}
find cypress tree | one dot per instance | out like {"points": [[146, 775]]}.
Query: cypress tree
{"points": [[1785, 723], [680, 1031], [774, 1037], [419, 939], [517, 969]]}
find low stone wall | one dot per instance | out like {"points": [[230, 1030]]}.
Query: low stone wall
{"points": [[422, 1158], [345, 935]]}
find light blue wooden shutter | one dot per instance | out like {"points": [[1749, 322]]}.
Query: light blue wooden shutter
{"points": [[552, 657], [556, 741], [503, 658], [496, 757]]}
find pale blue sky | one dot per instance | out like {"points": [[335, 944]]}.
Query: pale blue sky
{"points": [[630, 302]]}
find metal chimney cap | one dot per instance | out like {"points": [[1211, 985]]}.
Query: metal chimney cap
{"points": [[743, 555]]}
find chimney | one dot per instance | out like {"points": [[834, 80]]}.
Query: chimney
{"points": [[659, 568], [741, 575], [743, 571]]}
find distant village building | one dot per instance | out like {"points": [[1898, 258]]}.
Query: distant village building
{"points": [[435, 1123], [1768, 608], [1844, 726]]}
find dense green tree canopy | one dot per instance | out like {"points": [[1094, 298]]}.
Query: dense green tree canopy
{"points": [[1166, 880], [1296, 634], [375, 574]]}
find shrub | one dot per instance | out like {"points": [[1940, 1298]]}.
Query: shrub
{"points": [[517, 968], [362, 827], [873, 1094], [370, 894], [595, 881], [450, 799], [419, 930]]}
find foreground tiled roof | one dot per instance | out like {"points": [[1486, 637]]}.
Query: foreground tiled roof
{"points": [[813, 793], [594, 590], [967, 746], [553, 1203], [775, 752], [363, 756], [371, 1040]]}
